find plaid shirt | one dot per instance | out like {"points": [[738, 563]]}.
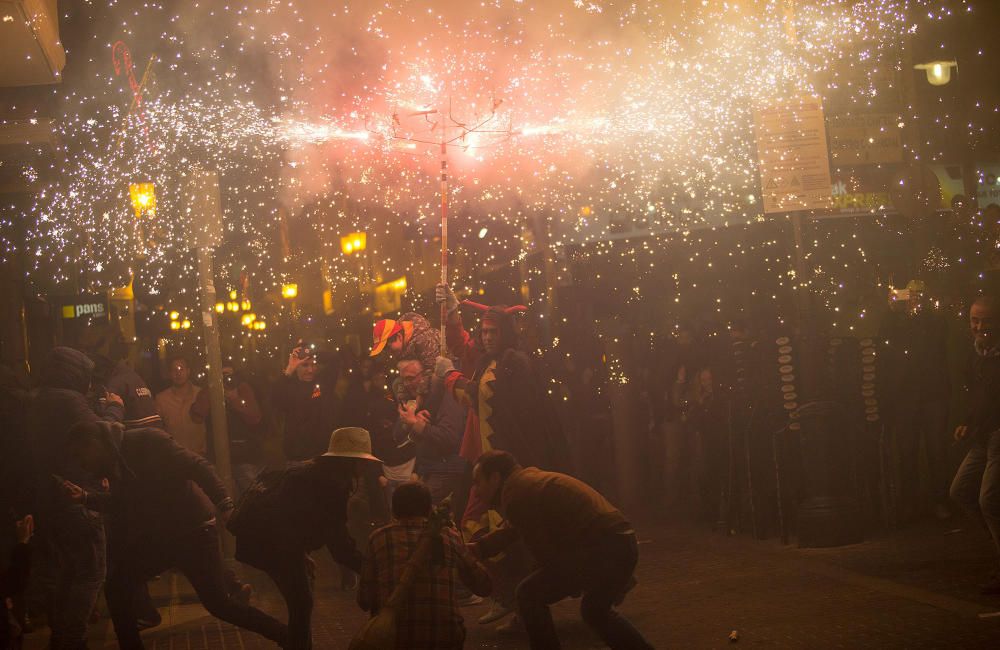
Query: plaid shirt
{"points": [[429, 617]]}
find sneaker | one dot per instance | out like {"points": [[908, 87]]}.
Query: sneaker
{"points": [[497, 611], [511, 626], [470, 600]]}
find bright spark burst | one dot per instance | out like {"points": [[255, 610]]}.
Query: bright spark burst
{"points": [[635, 113]]}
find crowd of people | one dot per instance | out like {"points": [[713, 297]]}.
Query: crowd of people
{"points": [[498, 452], [112, 485]]}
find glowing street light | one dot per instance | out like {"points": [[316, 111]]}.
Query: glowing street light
{"points": [[143, 197], [289, 291], [354, 242], [938, 72]]}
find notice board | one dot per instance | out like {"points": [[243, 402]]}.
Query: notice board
{"points": [[793, 156]]}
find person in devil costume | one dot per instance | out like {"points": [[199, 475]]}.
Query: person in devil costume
{"points": [[509, 410]]}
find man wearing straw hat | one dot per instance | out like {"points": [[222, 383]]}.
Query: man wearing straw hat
{"points": [[288, 513]]}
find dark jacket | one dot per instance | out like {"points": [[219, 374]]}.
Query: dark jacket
{"points": [[245, 422], [13, 581], [983, 415], [438, 444], [163, 489], [58, 406], [390, 443], [306, 509], [913, 359], [311, 412], [140, 407]]}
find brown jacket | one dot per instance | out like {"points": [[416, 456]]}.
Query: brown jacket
{"points": [[551, 512]]}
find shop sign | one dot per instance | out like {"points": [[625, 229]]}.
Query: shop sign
{"points": [[871, 139], [87, 307]]}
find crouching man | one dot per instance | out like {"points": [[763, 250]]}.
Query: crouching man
{"points": [[287, 513], [428, 617], [583, 545]]}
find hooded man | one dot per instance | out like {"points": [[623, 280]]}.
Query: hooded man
{"points": [[70, 538], [163, 507], [508, 407]]}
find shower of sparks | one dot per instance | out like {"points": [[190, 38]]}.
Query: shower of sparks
{"points": [[596, 114]]}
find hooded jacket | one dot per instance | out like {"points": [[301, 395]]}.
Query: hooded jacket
{"points": [[60, 404], [523, 420], [162, 489], [140, 407]]}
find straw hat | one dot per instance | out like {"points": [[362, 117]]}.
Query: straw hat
{"points": [[351, 442]]}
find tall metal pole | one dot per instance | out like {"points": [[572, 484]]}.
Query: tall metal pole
{"points": [[213, 353], [444, 236], [801, 297]]}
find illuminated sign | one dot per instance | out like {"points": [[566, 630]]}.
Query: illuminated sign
{"points": [[85, 310]]}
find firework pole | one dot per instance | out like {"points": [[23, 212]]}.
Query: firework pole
{"points": [[444, 236]]}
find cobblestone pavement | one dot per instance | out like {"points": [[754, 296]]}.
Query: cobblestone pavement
{"points": [[915, 588]]}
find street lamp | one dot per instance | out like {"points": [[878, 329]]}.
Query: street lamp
{"points": [[289, 291], [143, 197], [938, 72], [354, 242]]}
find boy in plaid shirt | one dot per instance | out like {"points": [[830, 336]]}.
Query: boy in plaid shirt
{"points": [[429, 616]]}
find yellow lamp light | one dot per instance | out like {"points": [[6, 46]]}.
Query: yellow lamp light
{"points": [[245, 305], [174, 315], [220, 307], [174, 325], [143, 197], [185, 324], [354, 242], [938, 72], [248, 319], [232, 295], [232, 305], [290, 290]]}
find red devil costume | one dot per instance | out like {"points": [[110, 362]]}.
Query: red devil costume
{"points": [[508, 405]]}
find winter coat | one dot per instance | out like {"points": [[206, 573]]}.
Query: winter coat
{"points": [[245, 422], [140, 407], [523, 419], [306, 509], [439, 443], [983, 414], [164, 490], [58, 406], [311, 412], [13, 582]]}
